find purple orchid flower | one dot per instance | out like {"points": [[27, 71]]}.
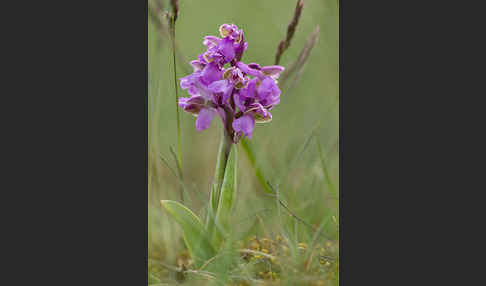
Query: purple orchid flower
{"points": [[241, 94]]}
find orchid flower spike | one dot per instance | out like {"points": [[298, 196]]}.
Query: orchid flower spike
{"points": [[240, 94]]}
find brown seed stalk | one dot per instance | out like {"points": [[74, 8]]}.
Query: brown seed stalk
{"points": [[175, 8], [298, 66], [284, 44]]}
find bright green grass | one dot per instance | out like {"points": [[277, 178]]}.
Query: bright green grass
{"points": [[304, 186]]}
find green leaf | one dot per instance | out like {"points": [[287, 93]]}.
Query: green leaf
{"points": [[195, 236], [227, 195]]}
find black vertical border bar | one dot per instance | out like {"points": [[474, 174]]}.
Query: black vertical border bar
{"points": [[82, 117]]}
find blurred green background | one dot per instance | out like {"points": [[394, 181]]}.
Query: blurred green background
{"points": [[310, 103]]}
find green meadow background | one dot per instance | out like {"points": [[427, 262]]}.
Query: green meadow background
{"points": [[286, 149]]}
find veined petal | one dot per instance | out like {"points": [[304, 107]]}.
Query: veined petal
{"points": [[246, 69], [189, 82], [197, 65], [192, 105], [259, 113], [272, 71], [244, 124], [211, 41], [204, 119]]}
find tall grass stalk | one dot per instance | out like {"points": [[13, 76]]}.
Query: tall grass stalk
{"points": [[332, 189], [179, 151], [285, 43]]}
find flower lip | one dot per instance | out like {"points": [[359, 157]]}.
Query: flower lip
{"points": [[244, 124], [204, 119]]}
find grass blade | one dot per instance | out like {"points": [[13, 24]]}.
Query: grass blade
{"points": [[250, 154], [181, 186], [195, 236], [324, 169], [173, 35], [297, 156]]}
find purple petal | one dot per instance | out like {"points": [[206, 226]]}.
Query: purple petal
{"points": [[273, 71], [204, 118], [210, 73], [183, 101], [227, 94], [225, 30], [211, 41], [267, 88], [270, 102], [244, 124], [226, 48], [239, 102], [204, 91], [230, 31], [222, 86], [249, 90], [242, 46], [254, 66], [192, 105], [197, 65], [248, 70], [219, 86], [202, 59], [189, 82]]}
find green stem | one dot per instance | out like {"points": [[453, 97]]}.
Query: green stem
{"points": [[223, 154]]}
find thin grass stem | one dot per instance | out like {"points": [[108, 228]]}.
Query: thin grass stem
{"points": [[179, 151], [324, 169]]}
